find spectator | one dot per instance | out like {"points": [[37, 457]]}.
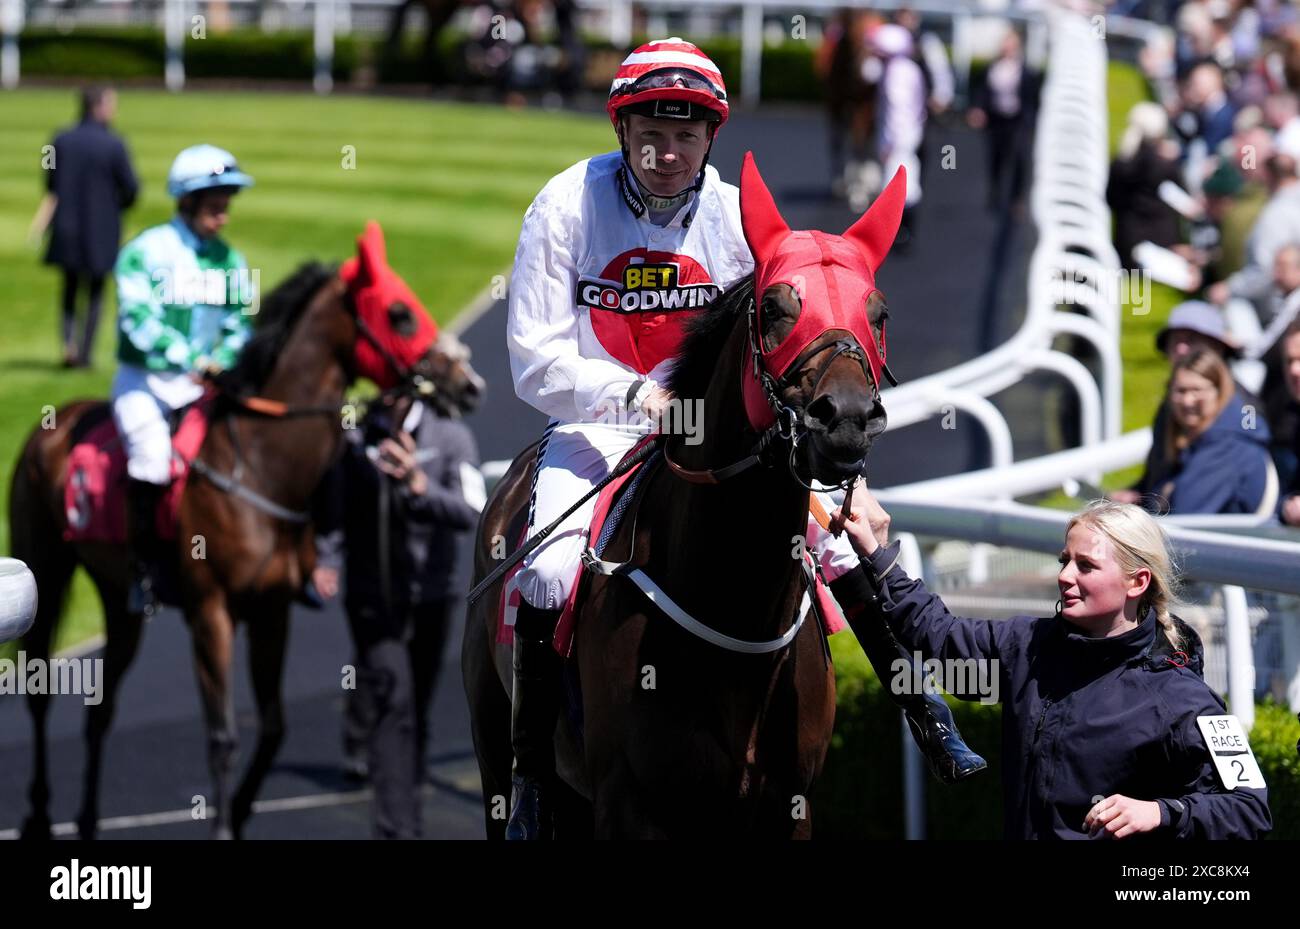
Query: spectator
{"points": [[1278, 225], [1207, 101], [1288, 508], [1211, 455], [902, 116], [406, 483], [1147, 158], [90, 183], [1005, 106]]}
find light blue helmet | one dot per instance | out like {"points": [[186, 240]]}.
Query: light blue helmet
{"points": [[202, 167]]}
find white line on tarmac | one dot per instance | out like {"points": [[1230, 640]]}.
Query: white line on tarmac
{"points": [[281, 805], [483, 302]]}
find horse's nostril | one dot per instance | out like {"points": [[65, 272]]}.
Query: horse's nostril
{"points": [[823, 410]]}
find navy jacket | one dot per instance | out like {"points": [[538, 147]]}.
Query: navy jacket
{"points": [[421, 529], [1083, 717], [1223, 471], [93, 181]]}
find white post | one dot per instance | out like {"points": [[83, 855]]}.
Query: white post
{"points": [[620, 23], [961, 54], [1241, 666], [18, 599], [174, 28], [751, 53], [1291, 658], [11, 24], [909, 558], [323, 45]]}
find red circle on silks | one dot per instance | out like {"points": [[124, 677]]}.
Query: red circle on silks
{"points": [[640, 338]]}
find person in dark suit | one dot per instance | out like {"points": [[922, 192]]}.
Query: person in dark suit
{"points": [[89, 183], [388, 514], [1005, 106]]}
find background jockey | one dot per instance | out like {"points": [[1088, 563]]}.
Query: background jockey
{"points": [[612, 256], [183, 296]]}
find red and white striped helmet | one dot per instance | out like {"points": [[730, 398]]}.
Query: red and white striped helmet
{"points": [[665, 72]]}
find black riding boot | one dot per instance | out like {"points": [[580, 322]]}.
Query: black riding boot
{"points": [[928, 715], [536, 709], [142, 535]]}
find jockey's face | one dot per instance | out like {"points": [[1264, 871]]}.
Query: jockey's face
{"points": [[666, 154], [209, 213]]}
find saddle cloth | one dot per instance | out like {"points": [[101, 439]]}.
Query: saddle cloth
{"points": [[94, 495]]}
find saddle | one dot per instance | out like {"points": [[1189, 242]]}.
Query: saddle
{"points": [[94, 494], [613, 504]]}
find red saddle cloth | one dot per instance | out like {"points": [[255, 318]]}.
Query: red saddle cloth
{"points": [[832, 619], [95, 493]]}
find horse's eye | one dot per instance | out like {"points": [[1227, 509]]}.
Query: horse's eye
{"points": [[402, 319], [781, 306]]}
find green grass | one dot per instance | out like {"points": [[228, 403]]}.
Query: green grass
{"points": [[449, 183]]}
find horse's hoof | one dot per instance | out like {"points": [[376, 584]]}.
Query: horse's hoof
{"points": [[87, 827], [223, 834], [36, 829]]}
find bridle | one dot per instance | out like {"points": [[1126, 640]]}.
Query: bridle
{"points": [[790, 425], [409, 383]]}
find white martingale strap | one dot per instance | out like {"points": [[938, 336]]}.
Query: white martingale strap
{"points": [[674, 612]]}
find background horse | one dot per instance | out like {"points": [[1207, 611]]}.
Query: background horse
{"points": [[677, 736], [269, 456]]}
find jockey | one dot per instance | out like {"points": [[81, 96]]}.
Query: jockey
{"points": [[605, 244], [183, 296]]}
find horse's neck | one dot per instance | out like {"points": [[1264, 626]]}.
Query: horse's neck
{"points": [[295, 451], [746, 528]]}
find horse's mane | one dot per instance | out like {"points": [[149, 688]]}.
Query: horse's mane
{"points": [[703, 339], [278, 313]]}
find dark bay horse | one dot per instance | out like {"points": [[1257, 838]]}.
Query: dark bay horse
{"points": [[261, 462], [681, 737]]}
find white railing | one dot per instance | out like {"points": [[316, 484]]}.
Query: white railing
{"points": [[1235, 563], [1073, 262]]}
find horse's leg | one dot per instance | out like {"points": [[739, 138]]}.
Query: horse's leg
{"points": [[51, 581], [122, 641], [213, 633], [51, 560], [267, 637], [489, 712]]}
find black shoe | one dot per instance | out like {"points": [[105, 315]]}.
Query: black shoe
{"points": [[535, 709], [142, 534], [935, 733], [928, 716]]}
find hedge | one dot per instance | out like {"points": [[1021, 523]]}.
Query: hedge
{"points": [[135, 53], [861, 788]]}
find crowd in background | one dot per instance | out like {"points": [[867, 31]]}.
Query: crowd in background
{"points": [[889, 80], [1205, 196]]}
